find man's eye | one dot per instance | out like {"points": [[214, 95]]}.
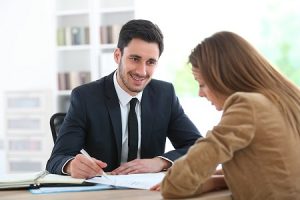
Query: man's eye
{"points": [[151, 62], [134, 59]]}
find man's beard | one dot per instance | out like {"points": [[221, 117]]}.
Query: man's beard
{"points": [[126, 83]]}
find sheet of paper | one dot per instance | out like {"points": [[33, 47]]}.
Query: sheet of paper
{"points": [[138, 181]]}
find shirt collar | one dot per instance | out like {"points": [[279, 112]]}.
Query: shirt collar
{"points": [[123, 96]]}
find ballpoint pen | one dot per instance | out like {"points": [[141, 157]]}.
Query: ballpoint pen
{"points": [[89, 157]]}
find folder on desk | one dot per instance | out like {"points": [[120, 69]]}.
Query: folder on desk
{"points": [[35, 180]]}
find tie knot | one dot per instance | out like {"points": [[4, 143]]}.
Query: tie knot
{"points": [[133, 102]]}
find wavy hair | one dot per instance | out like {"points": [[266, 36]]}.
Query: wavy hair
{"points": [[229, 64]]}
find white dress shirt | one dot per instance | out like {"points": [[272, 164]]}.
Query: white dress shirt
{"points": [[124, 99]]}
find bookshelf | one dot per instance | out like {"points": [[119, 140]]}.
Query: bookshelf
{"points": [[86, 35], [28, 137]]}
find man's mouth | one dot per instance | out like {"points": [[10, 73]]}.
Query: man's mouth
{"points": [[137, 78]]}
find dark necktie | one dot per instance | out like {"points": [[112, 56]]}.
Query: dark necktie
{"points": [[132, 131]]}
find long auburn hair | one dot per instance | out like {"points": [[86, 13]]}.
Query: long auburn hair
{"points": [[229, 64]]}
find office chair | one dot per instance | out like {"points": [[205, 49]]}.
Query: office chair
{"points": [[56, 121]]}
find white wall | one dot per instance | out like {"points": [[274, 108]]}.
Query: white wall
{"points": [[26, 46], [185, 23], [26, 49], [27, 43]]}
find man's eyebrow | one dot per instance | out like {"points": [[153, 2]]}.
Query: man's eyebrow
{"points": [[134, 55], [138, 56], [153, 60]]}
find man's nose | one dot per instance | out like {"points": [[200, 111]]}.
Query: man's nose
{"points": [[141, 69]]}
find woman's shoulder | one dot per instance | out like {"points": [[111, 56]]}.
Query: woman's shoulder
{"points": [[250, 96], [253, 98]]}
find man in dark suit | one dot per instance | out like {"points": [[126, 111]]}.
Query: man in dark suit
{"points": [[97, 118]]}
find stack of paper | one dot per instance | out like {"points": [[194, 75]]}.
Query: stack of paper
{"points": [[138, 181]]}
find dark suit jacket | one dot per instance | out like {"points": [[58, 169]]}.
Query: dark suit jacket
{"points": [[93, 122]]}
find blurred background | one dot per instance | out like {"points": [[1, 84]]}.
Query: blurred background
{"points": [[48, 47]]}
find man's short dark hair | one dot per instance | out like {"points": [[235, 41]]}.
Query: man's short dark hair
{"points": [[141, 29]]}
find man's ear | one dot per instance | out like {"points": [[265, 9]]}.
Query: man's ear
{"points": [[117, 55]]}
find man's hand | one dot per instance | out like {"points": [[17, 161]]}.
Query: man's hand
{"points": [[142, 166], [83, 167]]}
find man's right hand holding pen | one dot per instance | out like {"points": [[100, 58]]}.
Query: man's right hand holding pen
{"points": [[84, 166]]}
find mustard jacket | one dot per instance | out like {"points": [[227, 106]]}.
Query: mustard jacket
{"points": [[259, 152]]}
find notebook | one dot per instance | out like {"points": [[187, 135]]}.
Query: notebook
{"points": [[35, 180]]}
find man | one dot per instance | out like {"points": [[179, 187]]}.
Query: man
{"points": [[97, 118]]}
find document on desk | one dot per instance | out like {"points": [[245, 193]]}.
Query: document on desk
{"points": [[48, 190], [137, 181]]}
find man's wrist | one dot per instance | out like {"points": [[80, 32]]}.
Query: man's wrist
{"points": [[66, 167], [166, 163]]}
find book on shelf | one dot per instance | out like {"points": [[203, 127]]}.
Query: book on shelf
{"points": [[70, 80], [84, 77], [73, 35], [37, 179], [109, 34], [115, 30], [68, 36], [61, 37], [84, 35], [63, 81], [103, 35]]}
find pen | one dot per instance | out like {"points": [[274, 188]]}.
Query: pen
{"points": [[89, 157]]}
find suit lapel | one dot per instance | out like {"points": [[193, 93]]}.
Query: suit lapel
{"points": [[147, 105], [113, 107]]}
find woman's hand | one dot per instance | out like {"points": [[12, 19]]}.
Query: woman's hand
{"points": [[155, 187], [215, 182]]}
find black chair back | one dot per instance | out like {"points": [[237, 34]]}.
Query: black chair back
{"points": [[56, 121]]}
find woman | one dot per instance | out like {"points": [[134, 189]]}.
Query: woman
{"points": [[257, 140]]}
